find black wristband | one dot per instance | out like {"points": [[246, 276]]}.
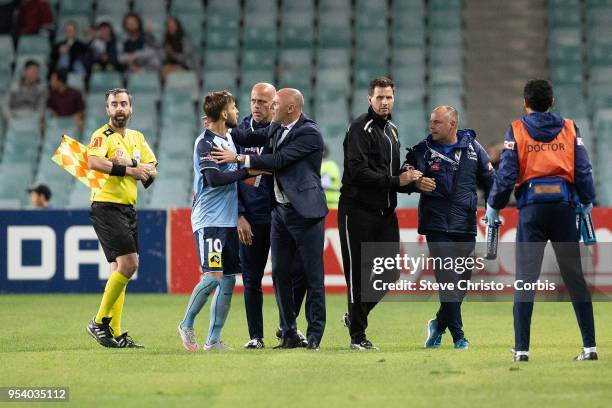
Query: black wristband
{"points": [[134, 163], [118, 170]]}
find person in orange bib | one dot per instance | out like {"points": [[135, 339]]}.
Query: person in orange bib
{"points": [[546, 163]]}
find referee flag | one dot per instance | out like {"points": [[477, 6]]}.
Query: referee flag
{"points": [[72, 157]]}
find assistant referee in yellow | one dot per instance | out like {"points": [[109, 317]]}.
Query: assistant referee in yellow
{"points": [[125, 155]]}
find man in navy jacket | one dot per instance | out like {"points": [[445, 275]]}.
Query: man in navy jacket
{"points": [[453, 164], [299, 208], [254, 211]]}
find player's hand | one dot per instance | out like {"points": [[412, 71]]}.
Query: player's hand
{"points": [[409, 176], [245, 234], [142, 172], [426, 184], [223, 155], [119, 159], [257, 172]]}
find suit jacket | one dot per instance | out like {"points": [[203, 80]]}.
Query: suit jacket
{"points": [[296, 162]]}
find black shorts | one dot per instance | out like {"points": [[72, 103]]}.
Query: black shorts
{"points": [[116, 228], [218, 248]]}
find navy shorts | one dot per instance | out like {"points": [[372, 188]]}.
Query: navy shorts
{"points": [[218, 249]]}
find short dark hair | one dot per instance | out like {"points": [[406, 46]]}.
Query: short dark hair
{"points": [[61, 74], [215, 102], [538, 94], [31, 63], [380, 82], [116, 91]]}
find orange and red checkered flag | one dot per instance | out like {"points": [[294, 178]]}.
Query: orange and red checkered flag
{"points": [[72, 157]]}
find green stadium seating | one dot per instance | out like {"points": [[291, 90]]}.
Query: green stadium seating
{"points": [[333, 58], [223, 14], [144, 83], [220, 38], [193, 27], [251, 77], [260, 34], [33, 44], [76, 7], [253, 59], [184, 82], [6, 50], [334, 30], [567, 74], [370, 15], [101, 81], [219, 80], [112, 9], [296, 30], [220, 60]]}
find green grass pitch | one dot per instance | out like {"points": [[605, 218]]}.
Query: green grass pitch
{"points": [[43, 343]]}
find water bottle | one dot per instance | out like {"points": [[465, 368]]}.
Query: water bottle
{"points": [[586, 227], [492, 239]]}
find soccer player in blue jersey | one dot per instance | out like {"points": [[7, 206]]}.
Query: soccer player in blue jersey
{"points": [[214, 217]]}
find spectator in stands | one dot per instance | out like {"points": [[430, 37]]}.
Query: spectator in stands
{"points": [[138, 52], [69, 54], [26, 97], [102, 50], [34, 16], [40, 197], [63, 100], [7, 11], [178, 50]]}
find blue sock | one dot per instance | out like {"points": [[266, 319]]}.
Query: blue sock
{"points": [[198, 299], [220, 308]]}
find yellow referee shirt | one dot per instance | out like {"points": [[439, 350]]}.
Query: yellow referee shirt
{"points": [[107, 143]]}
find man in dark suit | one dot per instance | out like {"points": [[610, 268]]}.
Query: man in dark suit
{"points": [[299, 208]]}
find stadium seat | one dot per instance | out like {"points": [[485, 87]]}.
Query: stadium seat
{"points": [[334, 30], [220, 60], [76, 7], [101, 81], [17, 177], [185, 82], [334, 5], [78, 197], [251, 77], [260, 34], [6, 49], [264, 58], [33, 44], [297, 30], [176, 109], [223, 14], [144, 83], [370, 15], [113, 10], [221, 38], [332, 80], [451, 37], [216, 80]]}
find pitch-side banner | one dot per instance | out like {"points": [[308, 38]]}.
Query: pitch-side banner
{"points": [[185, 271], [58, 251]]}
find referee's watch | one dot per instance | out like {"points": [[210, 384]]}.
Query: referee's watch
{"points": [[240, 158]]}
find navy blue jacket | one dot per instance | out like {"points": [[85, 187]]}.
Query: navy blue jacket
{"points": [[451, 207], [296, 162], [543, 127], [254, 203]]}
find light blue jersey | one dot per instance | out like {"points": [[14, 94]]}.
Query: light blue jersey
{"points": [[212, 206]]}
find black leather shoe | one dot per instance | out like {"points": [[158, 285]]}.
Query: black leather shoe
{"points": [[291, 341], [313, 344]]}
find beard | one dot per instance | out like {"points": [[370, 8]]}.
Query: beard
{"points": [[119, 121], [231, 123]]}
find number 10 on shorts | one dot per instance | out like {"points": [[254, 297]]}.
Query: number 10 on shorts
{"points": [[214, 252]]}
